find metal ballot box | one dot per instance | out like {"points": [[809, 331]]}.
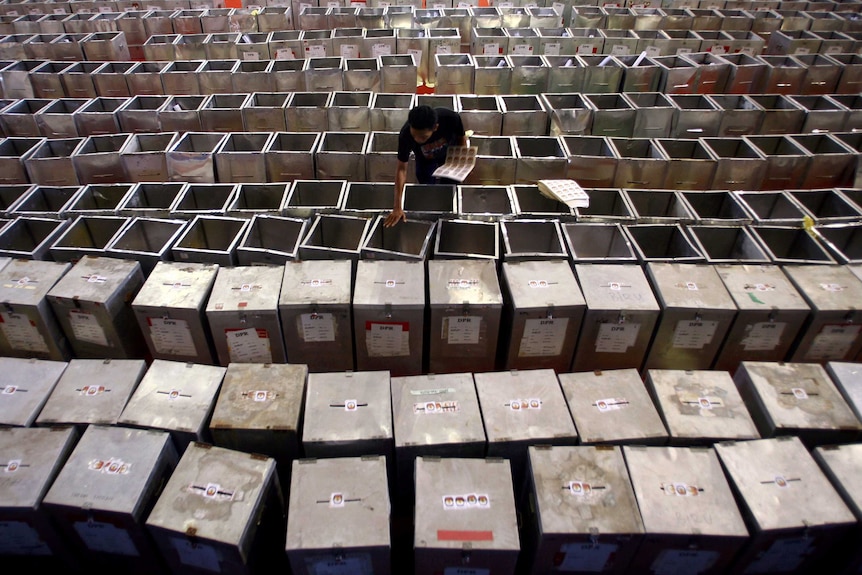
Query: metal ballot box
{"points": [[692, 523], [842, 464], [847, 377], [259, 409], [29, 327], [543, 311], [465, 517], [102, 495], [314, 306], [93, 305], [612, 407], [796, 399], [25, 385], [696, 314], [243, 315], [389, 316], [92, 391], [466, 307], [770, 315], [523, 408], [170, 311], [582, 515], [796, 516], [176, 397], [32, 458], [338, 516], [621, 315], [221, 512], [833, 331], [700, 407]]}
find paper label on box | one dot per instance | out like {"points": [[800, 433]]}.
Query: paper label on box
{"points": [[693, 334], [783, 556], [19, 538], [381, 49], [589, 557], [461, 330], [349, 51], [552, 49], [250, 56], [620, 50], [718, 49], [834, 50], [21, 333], [522, 49], [106, 538], [465, 571], [802, 50], [586, 49], [543, 337], [763, 336], [417, 56], [196, 554], [285, 54], [317, 327], [317, 51], [491, 49], [171, 336], [683, 562], [443, 49], [747, 51], [559, 7], [653, 51], [681, 51], [86, 328], [833, 342], [616, 337], [353, 564], [387, 339], [248, 345]]}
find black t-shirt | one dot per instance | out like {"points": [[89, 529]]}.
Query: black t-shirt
{"points": [[432, 153]]}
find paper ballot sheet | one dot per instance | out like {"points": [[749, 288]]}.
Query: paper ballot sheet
{"points": [[460, 161], [567, 191]]}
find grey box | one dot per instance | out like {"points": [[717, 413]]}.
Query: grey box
{"points": [[269, 239], [846, 377], [210, 239], [170, 311], [176, 397], [796, 399], [840, 463], [612, 407], [87, 235], [147, 240], [27, 384], [93, 306], [315, 310]]}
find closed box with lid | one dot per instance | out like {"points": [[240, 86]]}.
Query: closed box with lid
{"points": [[691, 520], [543, 312], [221, 511], [389, 316], [621, 315], [338, 517], [104, 492], [25, 386], [700, 407], [847, 377], [612, 406], [93, 305], [170, 311], [243, 314], [29, 327], [583, 517], [314, 307], [92, 391], [842, 464], [795, 515], [176, 397], [466, 308], [770, 314]]}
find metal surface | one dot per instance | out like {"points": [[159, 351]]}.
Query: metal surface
{"points": [[87, 235], [271, 239], [22, 403], [334, 236], [210, 239]]}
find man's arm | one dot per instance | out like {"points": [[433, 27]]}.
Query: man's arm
{"points": [[397, 214]]}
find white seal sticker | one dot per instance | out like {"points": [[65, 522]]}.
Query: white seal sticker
{"points": [[171, 336], [616, 337], [86, 328]]}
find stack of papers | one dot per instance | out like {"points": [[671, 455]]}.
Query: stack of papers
{"points": [[567, 191]]}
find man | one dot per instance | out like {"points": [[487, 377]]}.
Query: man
{"points": [[428, 133]]}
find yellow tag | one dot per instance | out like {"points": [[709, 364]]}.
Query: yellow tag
{"points": [[808, 226]]}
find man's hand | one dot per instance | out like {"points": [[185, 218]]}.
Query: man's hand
{"points": [[395, 216]]}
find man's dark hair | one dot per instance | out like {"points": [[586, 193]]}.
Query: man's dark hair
{"points": [[422, 118]]}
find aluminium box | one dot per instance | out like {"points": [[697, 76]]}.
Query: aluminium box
{"points": [[93, 305], [170, 311], [692, 522], [697, 312], [771, 313], [833, 331], [29, 327], [465, 517], [796, 399], [795, 515], [177, 397], [92, 391], [466, 306], [621, 316], [316, 319], [389, 316], [613, 407], [842, 464], [105, 491], [700, 407], [32, 458], [25, 386], [582, 516], [338, 517], [543, 311], [243, 315], [847, 377], [222, 512]]}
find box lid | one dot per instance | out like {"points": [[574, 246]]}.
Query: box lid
{"points": [[27, 282], [539, 284], [99, 280], [316, 282], [615, 287], [175, 285], [689, 286], [454, 282], [349, 406], [760, 288], [246, 288], [826, 288], [380, 282], [847, 377], [843, 465], [25, 385], [32, 457]]}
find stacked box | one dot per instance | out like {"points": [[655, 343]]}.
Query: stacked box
{"points": [[25, 386], [842, 464]]}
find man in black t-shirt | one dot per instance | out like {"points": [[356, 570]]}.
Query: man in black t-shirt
{"points": [[428, 133]]}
